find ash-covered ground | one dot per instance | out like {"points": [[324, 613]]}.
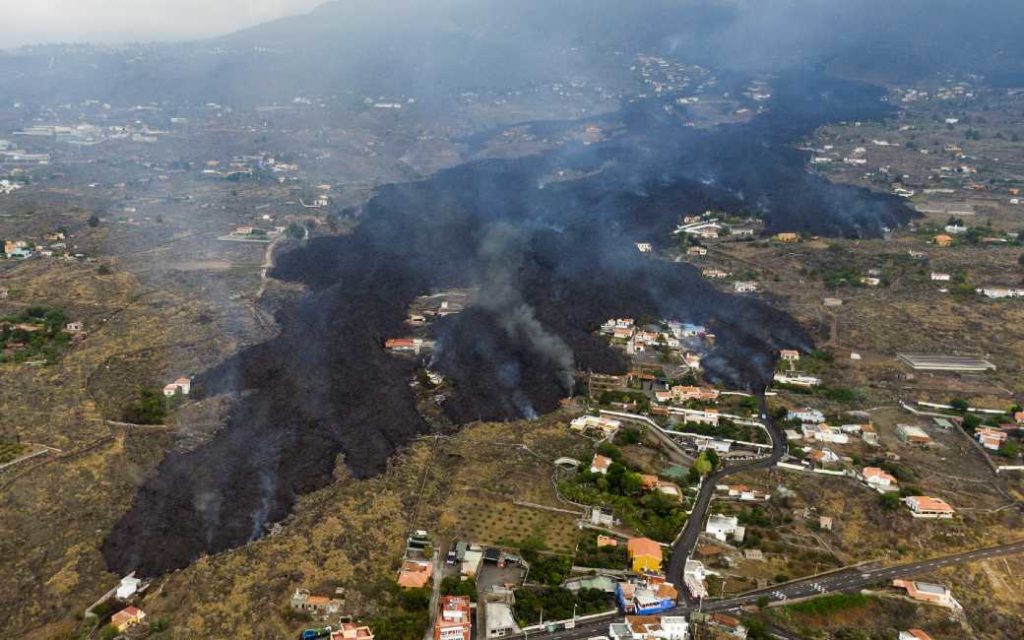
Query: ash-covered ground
{"points": [[551, 264]]}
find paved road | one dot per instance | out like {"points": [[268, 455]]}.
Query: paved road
{"points": [[687, 540], [848, 580], [856, 579]]}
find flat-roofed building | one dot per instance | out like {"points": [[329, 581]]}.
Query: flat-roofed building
{"points": [[499, 620], [928, 362], [911, 434], [454, 620], [929, 507], [928, 592]]}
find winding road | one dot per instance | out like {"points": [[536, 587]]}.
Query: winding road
{"points": [[683, 547]]}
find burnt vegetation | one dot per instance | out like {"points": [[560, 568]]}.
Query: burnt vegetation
{"points": [[551, 265]]}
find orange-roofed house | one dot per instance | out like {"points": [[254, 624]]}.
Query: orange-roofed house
{"points": [[823, 456], [600, 464], [879, 480], [352, 631], [644, 555], [928, 592], [943, 240], [607, 541], [914, 634], [729, 624], [322, 606], [649, 481], [127, 617], [184, 385], [787, 236], [415, 574], [404, 344], [682, 393], [928, 507], [990, 438], [790, 355]]}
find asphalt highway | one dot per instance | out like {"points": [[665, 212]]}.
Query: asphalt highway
{"points": [[856, 579], [843, 581], [847, 580]]}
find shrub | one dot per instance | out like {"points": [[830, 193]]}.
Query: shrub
{"points": [[149, 408]]}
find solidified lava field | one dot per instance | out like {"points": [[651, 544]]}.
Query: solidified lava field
{"points": [[551, 264]]}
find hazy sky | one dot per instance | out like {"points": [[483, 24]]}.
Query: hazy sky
{"points": [[30, 21]]}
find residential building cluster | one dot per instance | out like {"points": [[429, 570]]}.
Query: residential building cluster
{"points": [[51, 245], [669, 336]]}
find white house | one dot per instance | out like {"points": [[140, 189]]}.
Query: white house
{"points": [[184, 385], [940, 277], [694, 575], [879, 480], [821, 432], [1001, 292], [743, 492], [928, 507], [723, 527], [807, 414], [700, 416], [744, 286], [602, 517], [821, 456], [129, 587], [718, 446], [606, 426], [989, 438], [650, 628], [797, 380]]}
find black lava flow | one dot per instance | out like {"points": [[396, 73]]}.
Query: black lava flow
{"points": [[551, 264]]}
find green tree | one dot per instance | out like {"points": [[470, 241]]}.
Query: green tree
{"points": [[702, 465], [150, 407], [108, 632], [971, 422], [453, 586], [711, 456], [609, 450], [630, 436], [889, 501], [1010, 449]]}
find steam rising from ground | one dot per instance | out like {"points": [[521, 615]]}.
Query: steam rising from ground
{"points": [[551, 265]]}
